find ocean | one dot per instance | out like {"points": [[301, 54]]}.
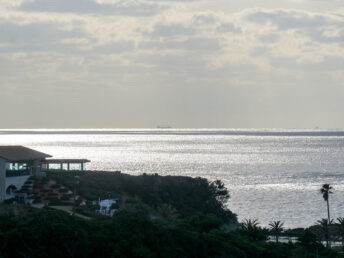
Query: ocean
{"points": [[271, 174]]}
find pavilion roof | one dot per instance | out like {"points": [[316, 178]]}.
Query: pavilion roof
{"points": [[21, 153], [53, 161]]}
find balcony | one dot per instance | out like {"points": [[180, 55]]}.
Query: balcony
{"points": [[12, 173]]}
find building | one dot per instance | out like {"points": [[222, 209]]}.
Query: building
{"points": [[106, 207], [18, 163]]}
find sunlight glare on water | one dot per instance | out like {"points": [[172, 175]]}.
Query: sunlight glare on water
{"points": [[271, 175]]}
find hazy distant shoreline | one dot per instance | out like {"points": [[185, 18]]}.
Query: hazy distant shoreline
{"points": [[243, 132]]}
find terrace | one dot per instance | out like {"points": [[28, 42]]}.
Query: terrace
{"points": [[63, 164], [18, 163]]}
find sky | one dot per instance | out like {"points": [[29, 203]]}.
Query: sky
{"points": [[181, 63]]}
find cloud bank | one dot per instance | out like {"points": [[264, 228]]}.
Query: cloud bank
{"points": [[139, 63]]}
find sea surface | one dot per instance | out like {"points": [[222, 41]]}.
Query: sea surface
{"points": [[271, 174]]}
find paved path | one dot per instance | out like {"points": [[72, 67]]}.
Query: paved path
{"points": [[70, 211]]}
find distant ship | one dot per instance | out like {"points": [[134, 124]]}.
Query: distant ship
{"points": [[164, 127]]}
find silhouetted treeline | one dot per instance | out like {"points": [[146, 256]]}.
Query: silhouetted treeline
{"points": [[133, 233], [192, 221], [185, 195]]}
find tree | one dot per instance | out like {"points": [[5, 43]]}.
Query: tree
{"points": [[249, 224], [276, 227], [167, 211], [325, 190], [341, 228], [250, 229], [325, 229], [308, 240]]}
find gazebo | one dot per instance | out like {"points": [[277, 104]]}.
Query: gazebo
{"points": [[64, 164]]}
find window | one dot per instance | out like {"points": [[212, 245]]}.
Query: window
{"points": [[17, 166]]}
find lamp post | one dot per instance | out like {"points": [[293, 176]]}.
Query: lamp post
{"points": [[76, 182]]}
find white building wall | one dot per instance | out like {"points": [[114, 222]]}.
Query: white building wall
{"points": [[2, 180], [17, 181]]}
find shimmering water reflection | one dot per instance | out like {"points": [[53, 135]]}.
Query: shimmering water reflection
{"points": [[271, 175]]}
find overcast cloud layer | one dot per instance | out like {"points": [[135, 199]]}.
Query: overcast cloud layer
{"points": [[191, 63]]}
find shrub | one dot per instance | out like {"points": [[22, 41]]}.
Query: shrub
{"points": [[51, 198], [9, 201], [52, 194], [63, 190], [37, 200], [65, 197], [46, 190], [55, 202]]}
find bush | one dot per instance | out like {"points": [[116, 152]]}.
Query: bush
{"points": [[66, 197], [37, 200], [85, 211], [55, 202], [44, 180], [52, 194], [9, 201], [115, 206], [51, 198], [63, 190], [187, 195], [46, 190]]}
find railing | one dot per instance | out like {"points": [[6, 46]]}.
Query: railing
{"points": [[11, 173]]}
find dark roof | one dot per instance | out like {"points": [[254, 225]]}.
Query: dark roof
{"points": [[20, 153], [53, 161]]}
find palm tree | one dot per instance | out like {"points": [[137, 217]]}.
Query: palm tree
{"points": [[341, 228], [252, 231], [249, 224], [326, 191], [325, 229], [276, 227]]}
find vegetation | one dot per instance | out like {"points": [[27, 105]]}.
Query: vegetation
{"points": [[133, 233], [157, 217], [276, 228], [251, 230], [326, 191], [250, 224], [324, 226], [340, 227], [166, 196]]}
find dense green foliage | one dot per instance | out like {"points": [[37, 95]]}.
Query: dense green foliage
{"points": [[158, 217], [183, 195], [132, 233]]}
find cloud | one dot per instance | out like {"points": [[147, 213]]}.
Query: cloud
{"points": [[269, 38], [40, 37], [259, 51], [119, 7], [319, 27], [285, 19], [188, 62], [120, 46], [328, 63], [55, 38], [196, 44], [182, 1], [34, 33], [204, 19], [229, 27], [171, 30]]}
